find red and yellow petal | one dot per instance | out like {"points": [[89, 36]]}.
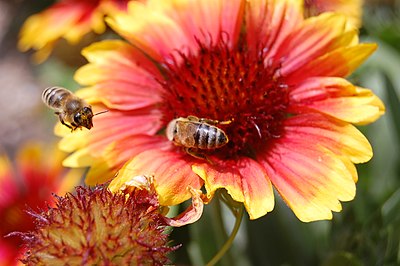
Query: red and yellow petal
{"points": [[51, 24], [121, 95], [338, 63], [352, 9], [162, 27], [222, 174], [117, 154], [109, 127], [245, 180], [118, 55], [269, 22], [38, 164], [313, 38], [70, 20], [375, 103], [30, 159], [119, 77], [9, 254], [257, 189], [172, 174], [341, 138], [310, 178], [7, 182], [338, 98], [5, 168]]}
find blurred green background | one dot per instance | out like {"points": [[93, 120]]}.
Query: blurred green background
{"points": [[366, 232]]}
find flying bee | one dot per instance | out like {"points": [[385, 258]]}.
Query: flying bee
{"points": [[72, 111], [195, 134]]}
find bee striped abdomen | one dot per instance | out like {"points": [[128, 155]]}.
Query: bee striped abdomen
{"points": [[53, 96], [209, 137], [196, 134]]}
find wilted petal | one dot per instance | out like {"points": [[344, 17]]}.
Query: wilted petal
{"points": [[172, 174], [191, 214]]}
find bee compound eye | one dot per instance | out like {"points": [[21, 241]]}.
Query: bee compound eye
{"points": [[77, 118], [87, 110], [171, 130]]}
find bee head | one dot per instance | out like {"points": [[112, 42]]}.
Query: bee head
{"points": [[171, 130], [84, 117]]}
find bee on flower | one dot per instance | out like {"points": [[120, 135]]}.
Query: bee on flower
{"points": [[281, 82], [196, 134]]}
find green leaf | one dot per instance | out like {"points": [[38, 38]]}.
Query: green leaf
{"points": [[343, 259], [394, 103], [391, 209]]}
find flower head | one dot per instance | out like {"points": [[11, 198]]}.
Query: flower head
{"points": [[279, 80], [96, 226], [38, 174], [352, 9], [68, 19]]}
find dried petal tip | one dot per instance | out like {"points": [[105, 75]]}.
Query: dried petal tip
{"points": [[143, 184], [97, 227]]}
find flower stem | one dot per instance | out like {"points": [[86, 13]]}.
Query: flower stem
{"points": [[229, 241], [220, 233], [218, 220]]}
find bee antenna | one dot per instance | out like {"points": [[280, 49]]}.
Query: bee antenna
{"points": [[102, 112]]}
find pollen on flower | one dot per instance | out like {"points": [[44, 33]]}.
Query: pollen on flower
{"points": [[97, 227], [225, 84]]}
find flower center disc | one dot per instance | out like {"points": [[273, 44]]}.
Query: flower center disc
{"points": [[228, 84]]}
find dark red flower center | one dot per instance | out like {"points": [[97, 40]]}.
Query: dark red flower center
{"points": [[228, 84]]}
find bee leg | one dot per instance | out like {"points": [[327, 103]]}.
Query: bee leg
{"points": [[74, 126], [215, 122], [225, 122], [193, 118], [62, 121], [208, 121], [195, 154], [68, 126]]}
